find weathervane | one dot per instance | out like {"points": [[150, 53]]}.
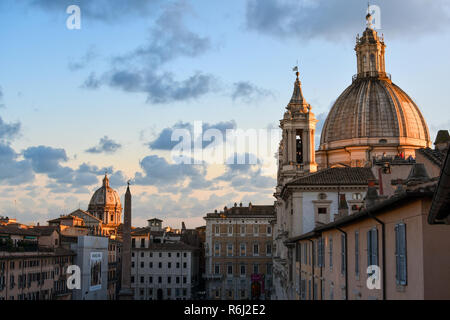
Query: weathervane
{"points": [[295, 69]]}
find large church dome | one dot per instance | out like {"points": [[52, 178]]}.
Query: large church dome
{"points": [[374, 111], [373, 116]]}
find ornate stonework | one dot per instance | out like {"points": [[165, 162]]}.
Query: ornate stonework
{"points": [[372, 116], [105, 205]]}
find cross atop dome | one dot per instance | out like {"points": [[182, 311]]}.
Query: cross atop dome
{"points": [[106, 180]]}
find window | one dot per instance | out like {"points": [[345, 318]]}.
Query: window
{"points": [[178, 265], [255, 268], [357, 254], [142, 243], [322, 210], [255, 230], [169, 265], [184, 279], [184, 254], [372, 247], [229, 269], [184, 265], [142, 254], [169, 279], [169, 254], [269, 249], [269, 268], [400, 254], [229, 249], [142, 280], [331, 253], [255, 249], [243, 249], [217, 268], [160, 265], [217, 249], [217, 229], [150, 279], [343, 262], [133, 243], [242, 229], [269, 230], [305, 253], [160, 254], [142, 264], [150, 265], [242, 269], [320, 252], [177, 280], [357, 196], [159, 279], [230, 230]]}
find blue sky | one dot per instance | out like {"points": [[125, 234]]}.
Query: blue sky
{"points": [[74, 103]]}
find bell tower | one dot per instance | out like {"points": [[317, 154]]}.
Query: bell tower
{"points": [[297, 152]]}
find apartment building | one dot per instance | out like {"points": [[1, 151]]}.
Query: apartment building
{"points": [[164, 271], [387, 252], [238, 252], [32, 265]]}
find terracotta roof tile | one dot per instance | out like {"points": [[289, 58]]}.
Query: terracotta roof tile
{"points": [[336, 176]]}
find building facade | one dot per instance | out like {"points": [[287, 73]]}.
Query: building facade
{"points": [[238, 253], [33, 266], [164, 271]]}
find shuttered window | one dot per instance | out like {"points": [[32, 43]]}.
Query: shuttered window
{"points": [[357, 253], [343, 264], [331, 253], [372, 247], [400, 254]]}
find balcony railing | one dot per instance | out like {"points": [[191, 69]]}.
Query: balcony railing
{"points": [[372, 74]]}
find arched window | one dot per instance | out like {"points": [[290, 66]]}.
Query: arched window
{"points": [[372, 62]]}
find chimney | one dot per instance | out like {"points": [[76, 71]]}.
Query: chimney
{"points": [[372, 194], [343, 206]]}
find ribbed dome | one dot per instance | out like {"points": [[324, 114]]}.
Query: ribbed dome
{"points": [[105, 196], [371, 111]]}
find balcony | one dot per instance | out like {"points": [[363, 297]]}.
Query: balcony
{"points": [[372, 74], [212, 276]]}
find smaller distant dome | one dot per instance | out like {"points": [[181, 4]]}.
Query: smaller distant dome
{"points": [[105, 196]]}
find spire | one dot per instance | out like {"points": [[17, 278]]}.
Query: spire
{"points": [[106, 180], [298, 102]]}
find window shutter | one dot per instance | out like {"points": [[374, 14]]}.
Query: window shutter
{"points": [[369, 248], [397, 255], [375, 246], [402, 254]]}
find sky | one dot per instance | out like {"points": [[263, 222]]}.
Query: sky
{"points": [[76, 103]]}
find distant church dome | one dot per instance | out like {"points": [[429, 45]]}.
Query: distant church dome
{"points": [[372, 116], [105, 204], [105, 196]]}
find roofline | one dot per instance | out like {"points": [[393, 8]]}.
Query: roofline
{"points": [[440, 194], [367, 213]]}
